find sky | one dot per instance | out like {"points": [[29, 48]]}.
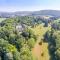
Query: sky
{"points": [[28, 5]]}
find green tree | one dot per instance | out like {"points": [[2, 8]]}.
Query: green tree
{"points": [[31, 42], [16, 55], [25, 53]]}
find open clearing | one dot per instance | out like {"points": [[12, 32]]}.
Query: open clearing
{"points": [[40, 51]]}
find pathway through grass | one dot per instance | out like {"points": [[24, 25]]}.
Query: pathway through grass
{"points": [[41, 51]]}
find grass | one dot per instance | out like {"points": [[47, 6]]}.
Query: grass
{"points": [[40, 51]]}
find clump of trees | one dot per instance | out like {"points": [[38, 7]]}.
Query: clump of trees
{"points": [[53, 38], [15, 45], [56, 24]]}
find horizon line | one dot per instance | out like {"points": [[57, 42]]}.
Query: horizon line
{"points": [[29, 10]]}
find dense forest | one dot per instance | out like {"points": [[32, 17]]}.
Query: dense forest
{"points": [[19, 35]]}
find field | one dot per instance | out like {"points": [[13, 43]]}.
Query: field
{"points": [[41, 51]]}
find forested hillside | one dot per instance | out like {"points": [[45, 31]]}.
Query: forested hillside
{"points": [[30, 38]]}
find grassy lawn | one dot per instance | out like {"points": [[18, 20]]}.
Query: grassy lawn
{"points": [[40, 51]]}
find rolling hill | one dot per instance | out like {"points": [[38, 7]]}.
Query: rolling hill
{"points": [[55, 13]]}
